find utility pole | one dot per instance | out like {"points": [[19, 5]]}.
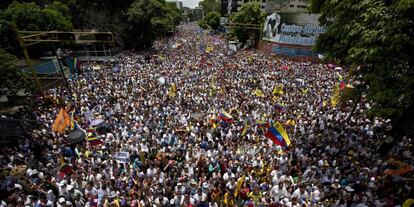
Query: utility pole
{"points": [[58, 58]]}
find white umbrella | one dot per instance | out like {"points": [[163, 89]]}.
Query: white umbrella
{"points": [[96, 122], [338, 68]]}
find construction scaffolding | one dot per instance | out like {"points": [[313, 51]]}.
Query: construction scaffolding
{"points": [[29, 38]]}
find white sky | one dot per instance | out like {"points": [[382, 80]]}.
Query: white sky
{"points": [[190, 3]]}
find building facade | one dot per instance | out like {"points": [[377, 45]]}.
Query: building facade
{"points": [[268, 6]]}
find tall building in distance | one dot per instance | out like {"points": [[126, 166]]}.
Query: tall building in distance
{"points": [[286, 6]]}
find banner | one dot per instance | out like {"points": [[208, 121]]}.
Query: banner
{"points": [[292, 29], [121, 157]]}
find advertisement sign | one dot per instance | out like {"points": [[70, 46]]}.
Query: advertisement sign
{"points": [[228, 7], [282, 28]]}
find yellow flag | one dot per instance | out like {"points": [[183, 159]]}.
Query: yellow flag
{"points": [[172, 91], [306, 90], [239, 185], [213, 82], [209, 49], [72, 120], [61, 122], [278, 89], [244, 129], [335, 97], [258, 93]]}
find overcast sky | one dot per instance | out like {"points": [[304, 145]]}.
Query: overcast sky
{"points": [[190, 3]]}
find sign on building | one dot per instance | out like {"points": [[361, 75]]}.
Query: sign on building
{"points": [[283, 29]]}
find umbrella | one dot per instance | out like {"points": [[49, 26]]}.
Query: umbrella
{"points": [[76, 136], [104, 125], [338, 68], [96, 122]]}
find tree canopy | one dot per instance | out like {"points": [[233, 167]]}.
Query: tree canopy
{"points": [[210, 6], [211, 20], [149, 19], [249, 13], [376, 38], [30, 16], [11, 79]]}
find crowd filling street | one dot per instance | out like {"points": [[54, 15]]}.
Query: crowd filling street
{"points": [[185, 124]]}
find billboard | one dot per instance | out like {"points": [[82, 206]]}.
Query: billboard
{"points": [[228, 7], [292, 29]]}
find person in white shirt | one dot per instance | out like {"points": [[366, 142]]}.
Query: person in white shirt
{"points": [[228, 175], [161, 200], [293, 203], [278, 192], [300, 194], [186, 200], [200, 197]]}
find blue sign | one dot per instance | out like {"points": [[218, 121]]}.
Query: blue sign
{"points": [[293, 51]]}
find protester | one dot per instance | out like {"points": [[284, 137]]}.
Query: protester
{"points": [[163, 143]]}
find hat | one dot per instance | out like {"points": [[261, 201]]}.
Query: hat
{"points": [[18, 186], [61, 200], [349, 189], [62, 183]]}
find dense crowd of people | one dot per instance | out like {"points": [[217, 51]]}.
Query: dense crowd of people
{"points": [[160, 109]]}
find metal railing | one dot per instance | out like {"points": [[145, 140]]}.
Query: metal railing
{"points": [[16, 128]]}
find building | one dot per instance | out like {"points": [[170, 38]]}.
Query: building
{"points": [[286, 6], [198, 13], [268, 6]]}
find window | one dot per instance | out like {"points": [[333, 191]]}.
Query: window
{"points": [[292, 6]]}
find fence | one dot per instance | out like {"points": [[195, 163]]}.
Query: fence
{"points": [[13, 129]]}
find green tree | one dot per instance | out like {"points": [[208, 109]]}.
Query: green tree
{"points": [[211, 20], [376, 38], [173, 13], [11, 79], [249, 13], [29, 16], [147, 20], [210, 6]]}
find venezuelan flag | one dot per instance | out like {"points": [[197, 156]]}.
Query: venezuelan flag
{"points": [[226, 117], [262, 124], [65, 169], [94, 141], [278, 135]]}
